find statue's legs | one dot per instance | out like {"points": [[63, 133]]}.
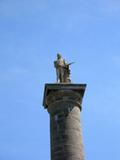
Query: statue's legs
{"points": [[58, 75], [62, 76]]}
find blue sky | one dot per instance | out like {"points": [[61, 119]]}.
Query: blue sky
{"points": [[31, 33]]}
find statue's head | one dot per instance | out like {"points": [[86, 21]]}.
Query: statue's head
{"points": [[59, 55]]}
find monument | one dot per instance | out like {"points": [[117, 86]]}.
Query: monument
{"points": [[63, 101]]}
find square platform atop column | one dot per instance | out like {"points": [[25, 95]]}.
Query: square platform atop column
{"points": [[80, 88]]}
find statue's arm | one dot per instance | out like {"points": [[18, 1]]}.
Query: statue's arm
{"points": [[55, 64]]}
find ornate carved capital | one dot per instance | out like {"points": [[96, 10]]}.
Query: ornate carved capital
{"points": [[63, 100], [61, 97]]}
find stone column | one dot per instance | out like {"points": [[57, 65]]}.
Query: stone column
{"points": [[63, 102]]}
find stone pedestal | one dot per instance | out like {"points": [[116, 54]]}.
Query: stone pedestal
{"points": [[63, 102]]}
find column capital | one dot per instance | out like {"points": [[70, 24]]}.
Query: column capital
{"points": [[57, 92]]}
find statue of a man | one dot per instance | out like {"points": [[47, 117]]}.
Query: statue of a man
{"points": [[62, 70]]}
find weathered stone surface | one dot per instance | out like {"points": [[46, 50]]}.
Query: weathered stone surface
{"points": [[63, 102]]}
